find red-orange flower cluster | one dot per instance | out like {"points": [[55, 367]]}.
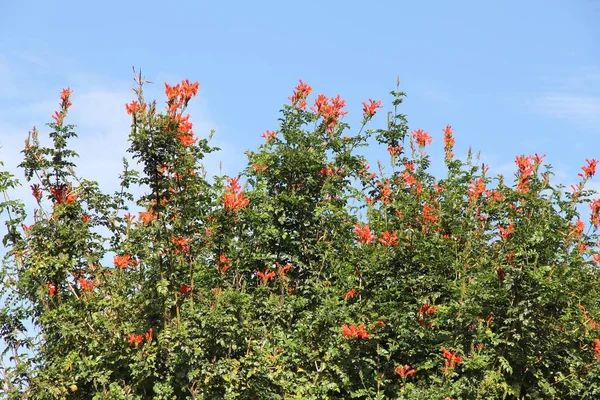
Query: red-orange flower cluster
{"points": [[265, 276], [590, 169], [180, 94], [64, 104], [86, 285], [123, 261], [137, 338], [147, 216], [234, 197], [51, 288], [452, 359], [62, 194], [330, 110], [355, 332], [448, 142], [134, 107], [421, 137], [269, 135], [405, 371], [301, 92], [505, 232], [595, 207], [223, 264], [364, 233], [350, 294], [181, 244], [369, 109], [389, 239]]}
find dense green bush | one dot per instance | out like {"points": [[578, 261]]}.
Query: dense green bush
{"points": [[309, 276]]}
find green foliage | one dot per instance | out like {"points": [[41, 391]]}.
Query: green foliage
{"points": [[316, 279]]}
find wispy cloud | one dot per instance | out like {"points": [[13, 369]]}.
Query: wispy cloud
{"points": [[577, 98]]}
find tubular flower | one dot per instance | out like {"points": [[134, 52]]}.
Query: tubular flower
{"points": [[448, 142], [283, 270], [135, 338], [389, 239], [301, 92], [590, 169], [62, 194], [134, 107], [86, 285], [505, 232], [147, 216], [370, 109], [265, 276], [421, 137], [364, 234], [234, 198], [405, 371], [123, 261], [51, 288], [181, 244], [269, 135], [595, 207], [452, 359], [355, 332], [223, 264], [476, 189], [350, 294]]}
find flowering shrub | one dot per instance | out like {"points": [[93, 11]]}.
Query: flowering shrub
{"points": [[307, 276]]}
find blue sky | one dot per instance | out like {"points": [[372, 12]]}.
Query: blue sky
{"points": [[511, 77]]}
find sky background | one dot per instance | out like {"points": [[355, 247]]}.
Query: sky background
{"points": [[511, 77]]}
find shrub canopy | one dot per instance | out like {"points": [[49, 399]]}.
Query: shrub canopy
{"points": [[307, 276]]}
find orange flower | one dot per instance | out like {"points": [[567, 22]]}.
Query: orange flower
{"points": [[505, 232], [147, 216], [421, 137], [184, 289], [283, 270], [590, 169], [234, 198], [223, 264], [86, 285], [595, 207], [181, 243], [301, 92], [149, 334], [134, 107], [62, 194], [123, 261], [265, 276], [364, 234], [369, 109], [36, 191], [259, 168], [452, 359], [85, 218], [404, 371], [350, 294], [597, 347], [26, 228], [269, 135], [389, 239], [353, 331], [427, 309], [476, 189], [51, 288], [135, 338], [448, 142], [394, 149]]}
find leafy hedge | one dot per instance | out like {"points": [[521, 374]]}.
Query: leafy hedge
{"points": [[309, 276]]}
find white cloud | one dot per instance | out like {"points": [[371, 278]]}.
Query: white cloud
{"points": [[572, 106], [576, 98]]}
